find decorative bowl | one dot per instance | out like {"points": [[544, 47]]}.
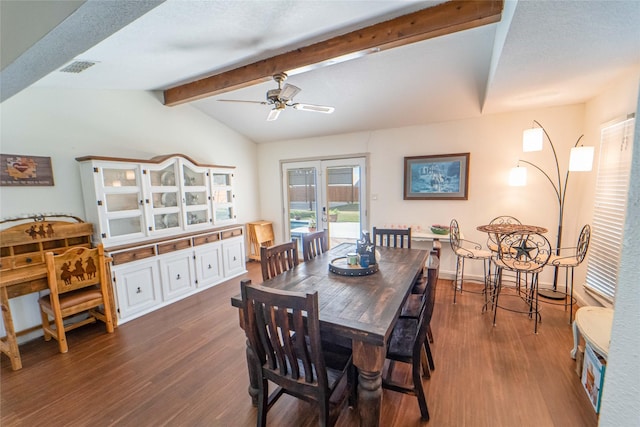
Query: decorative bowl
{"points": [[440, 229]]}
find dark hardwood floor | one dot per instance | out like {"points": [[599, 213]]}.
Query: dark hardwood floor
{"points": [[184, 365]]}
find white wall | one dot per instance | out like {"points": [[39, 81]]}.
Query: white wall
{"points": [[65, 124], [495, 144], [621, 388]]}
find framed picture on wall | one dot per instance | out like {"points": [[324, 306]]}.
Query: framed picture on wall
{"points": [[437, 177], [18, 170]]}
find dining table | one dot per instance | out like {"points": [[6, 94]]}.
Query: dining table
{"points": [[362, 309]]}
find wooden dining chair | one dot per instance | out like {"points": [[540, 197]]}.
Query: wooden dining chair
{"points": [[277, 259], [77, 283], [406, 345], [285, 348], [314, 244], [467, 250], [392, 237]]}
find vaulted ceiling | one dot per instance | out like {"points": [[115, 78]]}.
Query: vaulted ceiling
{"points": [[510, 56]]}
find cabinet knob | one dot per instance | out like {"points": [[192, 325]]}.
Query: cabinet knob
{"points": [[178, 276], [138, 291], [209, 267]]}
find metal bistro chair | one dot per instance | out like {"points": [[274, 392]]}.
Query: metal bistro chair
{"points": [[492, 243], [522, 253], [570, 258], [283, 331], [466, 249], [314, 244]]}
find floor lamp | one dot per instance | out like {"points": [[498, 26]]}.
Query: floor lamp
{"points": [[580, 160]]}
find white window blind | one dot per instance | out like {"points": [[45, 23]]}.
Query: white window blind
{"points": [[612, 184]]}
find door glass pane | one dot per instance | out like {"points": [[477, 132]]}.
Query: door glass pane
{"points": [[192, 177], [196, 198], [165, 200], [196, 217], [343, 189], [163, 177], [123, 226], [221, 179], [222, 196], [171, 220], [224, 213], [122, 202], [119, 177], [301, 192]]}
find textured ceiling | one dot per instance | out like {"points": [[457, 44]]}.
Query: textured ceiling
{"points": [[542, 53]]}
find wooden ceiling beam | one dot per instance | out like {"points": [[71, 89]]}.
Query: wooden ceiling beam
{"points": [[445, 18]]}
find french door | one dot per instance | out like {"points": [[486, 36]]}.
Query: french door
{"points": [[325, 194]]}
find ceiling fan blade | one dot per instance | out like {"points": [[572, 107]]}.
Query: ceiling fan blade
{"points": [[241, 100], [288, 92], [315, 108], [273, 114]]}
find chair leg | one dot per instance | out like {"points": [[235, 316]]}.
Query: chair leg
{"points": [[419, 391], [496, 293], [427, 348], [263, 398], [45, 325], [426, 371], [460, 272], [430, 334], [571, 299], [61, 335]]}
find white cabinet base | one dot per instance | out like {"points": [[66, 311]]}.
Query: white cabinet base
{"points": [[150, 276]]}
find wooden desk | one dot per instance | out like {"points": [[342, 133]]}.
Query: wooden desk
{"points": [[22, 268], [363, 309], [594, 324]]}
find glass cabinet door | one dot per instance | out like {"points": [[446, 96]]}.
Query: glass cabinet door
{"points": [[222, 197], [195, 196], [165, 198], [120, 201]]}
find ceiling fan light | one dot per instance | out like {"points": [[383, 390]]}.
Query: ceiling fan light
{"points": [[273, 114], [315, 108], [532, 139]]}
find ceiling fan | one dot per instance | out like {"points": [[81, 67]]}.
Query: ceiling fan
{"points": [[283, 97]]}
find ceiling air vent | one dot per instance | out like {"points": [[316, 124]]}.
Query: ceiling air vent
{"points": [[77, 66]]}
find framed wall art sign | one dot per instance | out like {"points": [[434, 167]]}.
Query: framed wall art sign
{"points": [[438, 177], [18, 170]]}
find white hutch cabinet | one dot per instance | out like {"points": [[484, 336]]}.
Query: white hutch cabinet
{"points": [[168, 223]]}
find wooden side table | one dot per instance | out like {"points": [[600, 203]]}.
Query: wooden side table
{"points": [[260, 234], [594, 324]]}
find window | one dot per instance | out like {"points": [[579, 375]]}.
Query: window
{"points": [[612, 185]]}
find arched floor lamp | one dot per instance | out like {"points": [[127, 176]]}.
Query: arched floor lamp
{"points": [[580, 160]]}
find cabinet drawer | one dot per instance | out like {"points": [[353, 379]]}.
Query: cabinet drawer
{"points": [[133, 255], [207, 238], [231, 233], [164, 248]]}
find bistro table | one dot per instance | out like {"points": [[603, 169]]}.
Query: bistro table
{"points": [[499, 230], [363, 309]]}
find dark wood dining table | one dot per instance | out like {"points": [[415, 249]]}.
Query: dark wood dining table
{"points": [[363, 309]]}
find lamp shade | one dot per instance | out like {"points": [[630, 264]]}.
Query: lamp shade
{"points": [[581, 159], [532, 139], [518, 177]]}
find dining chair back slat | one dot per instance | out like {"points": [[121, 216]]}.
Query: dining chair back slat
{"points": [[314, 244], [285, 347], [392, 237], [277, 259]]}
